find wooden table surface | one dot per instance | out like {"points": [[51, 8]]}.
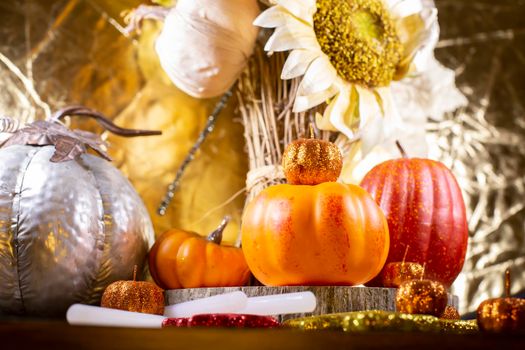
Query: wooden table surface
{"points": [[59, 335]]}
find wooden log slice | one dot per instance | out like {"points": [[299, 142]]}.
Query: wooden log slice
{"points": [[329, 299]]}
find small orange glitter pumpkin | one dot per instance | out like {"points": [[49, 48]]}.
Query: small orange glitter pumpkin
{"points": [[395, 274], [450, 313], [311, 162], [502, 315], [423, 297], [323, 233], [182, 259], [135, 296]]}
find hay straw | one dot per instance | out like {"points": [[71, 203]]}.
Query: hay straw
{"points": [[265, 106]]}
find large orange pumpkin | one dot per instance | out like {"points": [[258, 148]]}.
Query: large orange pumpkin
{"points": [[324, 234], [182, 259]]}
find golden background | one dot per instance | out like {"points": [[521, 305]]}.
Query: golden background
{"points": [[74, 52]]}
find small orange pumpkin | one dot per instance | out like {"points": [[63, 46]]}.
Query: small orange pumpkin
{"points": [[182, 259], [135, 296], [316, 232], [502, 315]]}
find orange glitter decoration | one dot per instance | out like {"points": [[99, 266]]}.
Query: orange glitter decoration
{"points": [[450, 313], [423, 297], [311, 162], [135, 296], [396, 273], [502, 315]]}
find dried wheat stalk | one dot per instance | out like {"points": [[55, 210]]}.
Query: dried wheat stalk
{"points": [[265, 105]]}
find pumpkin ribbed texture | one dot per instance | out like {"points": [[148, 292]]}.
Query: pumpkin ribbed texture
{"points": [[425, 212], [328, 234], [181, 259]]}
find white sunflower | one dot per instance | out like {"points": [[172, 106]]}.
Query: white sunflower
{"points": [[349, 52]]}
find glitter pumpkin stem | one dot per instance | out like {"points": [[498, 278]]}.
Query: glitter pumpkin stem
{"points": [[401, 150], [312, 131], [507, 283]]}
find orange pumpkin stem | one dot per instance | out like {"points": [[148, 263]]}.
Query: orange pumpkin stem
{"points": [[401, 150], [216, 236], [507, 283]]}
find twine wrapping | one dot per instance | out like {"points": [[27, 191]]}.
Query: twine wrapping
{"points": [[266, 175]]}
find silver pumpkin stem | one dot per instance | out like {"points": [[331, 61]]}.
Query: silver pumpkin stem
{"points": [[208, 128], [106, 123]]}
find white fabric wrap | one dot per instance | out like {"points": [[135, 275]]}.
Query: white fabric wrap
{"points": [[205, 44]]}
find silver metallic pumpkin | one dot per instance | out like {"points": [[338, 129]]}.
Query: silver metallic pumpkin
{"points": [[68, 228]]}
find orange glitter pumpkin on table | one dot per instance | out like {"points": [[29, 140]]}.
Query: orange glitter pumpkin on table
{"points": [[134, 296], [182, 259], [314, 232], [502, 315]]}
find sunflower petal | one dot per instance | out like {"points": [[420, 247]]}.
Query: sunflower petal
{"points": [[370, 120], [273, 17], [405, 8], [429, 40], [371, 133], [393, 121], [302, 9], [340, 114], [298, 62], [293, 35], [369, 104], [319, 76], [324, 123], [304, 103], [379, 118], [419, 34]]}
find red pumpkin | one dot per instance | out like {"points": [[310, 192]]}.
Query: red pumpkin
{"points": [[425, 212]]}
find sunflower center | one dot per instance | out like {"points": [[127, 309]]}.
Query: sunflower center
{"points": [[360, 38]]}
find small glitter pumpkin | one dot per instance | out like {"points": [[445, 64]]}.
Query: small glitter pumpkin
{"points": [[135, 296], [396, 273], [450, 313], [423, 297], [502, 315], [311, 162]]}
